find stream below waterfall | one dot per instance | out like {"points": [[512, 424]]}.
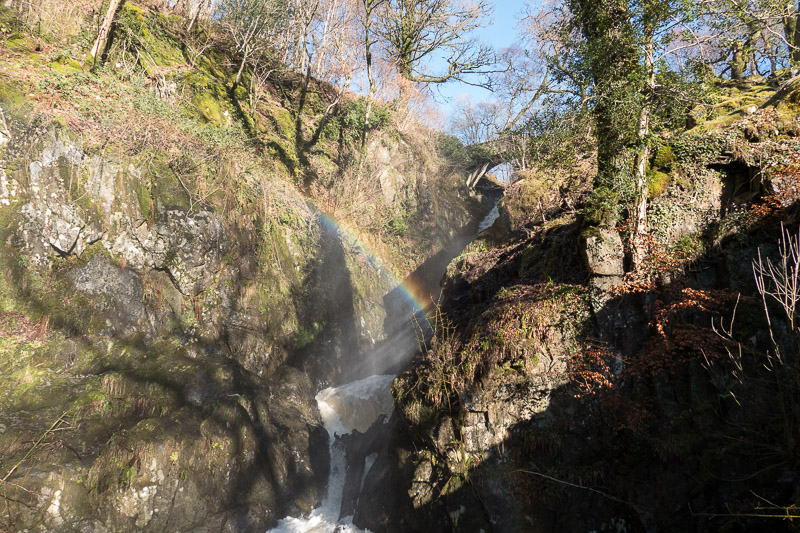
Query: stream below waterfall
{"points": [[354, 408]]}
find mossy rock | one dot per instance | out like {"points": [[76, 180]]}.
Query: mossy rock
{"points": [[149, 35], [284, 124], [241, 93], [165, 190], [64, 64], [788, 97], [13, 101], [210, 101], [718, 123], [664, 158], [657, 183], [212, 64], [141, 190], [209, 107]]}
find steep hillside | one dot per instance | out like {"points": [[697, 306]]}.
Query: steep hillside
{"points": [[183, 261], [563, 394]]}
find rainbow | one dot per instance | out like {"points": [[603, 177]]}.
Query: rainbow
{"points": [[413, 293]]}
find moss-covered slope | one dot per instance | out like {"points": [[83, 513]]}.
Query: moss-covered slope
{"points": [[182, 261]]}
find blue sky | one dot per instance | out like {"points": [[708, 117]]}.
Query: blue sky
{"points": [[501, 34]]}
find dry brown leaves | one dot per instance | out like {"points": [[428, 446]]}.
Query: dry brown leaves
{"points": [[13, 323]]}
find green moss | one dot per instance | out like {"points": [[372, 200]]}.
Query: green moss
{"points": [[208, 105], [306, 335], [718, 123], [241, 94], [657, 183], [66, 65], [212, 64], [147, 34], [165, 189], [284, 124], [13, 100], [18, 42], [664, 158]]}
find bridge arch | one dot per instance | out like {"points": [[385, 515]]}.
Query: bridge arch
{"points": [[485, 156]]}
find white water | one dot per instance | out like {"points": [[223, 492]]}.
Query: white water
{"points": [[356, 405], [487, 222]]}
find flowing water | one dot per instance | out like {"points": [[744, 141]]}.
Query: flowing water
{"points": [[354, 406], [357, 406], [490, 219]]}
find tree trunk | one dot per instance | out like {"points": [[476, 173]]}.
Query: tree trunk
{"points": [[195, 14], [796, 41], [99, 47], [791, 29], [368, 55], [607, 26], [241, 69], [738, 63], [744, 53], [638, 244]]}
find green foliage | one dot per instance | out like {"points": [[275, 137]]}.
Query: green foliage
{"points": [[66, 81], [602, 206], [307, 335], [451, 148], [351, 118], [679, 92], [688, 246], [398, 224], [558, 135], [478, 154], [698, 148]]}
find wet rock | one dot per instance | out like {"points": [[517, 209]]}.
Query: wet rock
{"points": [[297, 443]]}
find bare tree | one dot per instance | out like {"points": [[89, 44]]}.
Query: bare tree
{"points": [[370, 8], [752, 32], [475, 123], [253, 25], [415, 32], [196, 9]]}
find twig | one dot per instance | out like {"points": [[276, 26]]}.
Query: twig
{"points": [[583, 487], [786, 516], [35, 445]]}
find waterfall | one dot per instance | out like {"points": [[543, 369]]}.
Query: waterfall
{"points": [[344, 409], [490, 219]]}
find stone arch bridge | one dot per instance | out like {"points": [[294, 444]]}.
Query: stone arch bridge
{"points": [[483, 157]]}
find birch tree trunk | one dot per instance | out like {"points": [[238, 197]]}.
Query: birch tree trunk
{"points": [[369, 5], [99, 47], [796, 41], [638, 244]]}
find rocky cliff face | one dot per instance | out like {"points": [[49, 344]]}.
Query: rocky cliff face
{"points": [[163, 332], [564, 393]]}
